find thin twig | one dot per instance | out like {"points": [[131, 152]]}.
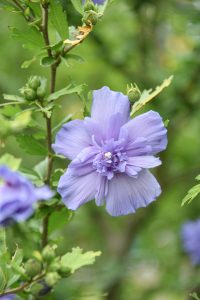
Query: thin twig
{"points": [[23, 286], [44, 30], [22, 9]]}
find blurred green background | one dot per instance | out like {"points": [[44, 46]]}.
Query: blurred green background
{"points": [[142, 41]]}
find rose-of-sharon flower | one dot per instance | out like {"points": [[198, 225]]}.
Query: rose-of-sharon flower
{"points": [[111, 155], [96, 1], [191, 240], [7, 297], [18, 196]]}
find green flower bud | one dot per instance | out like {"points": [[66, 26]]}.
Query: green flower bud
{"points": [[89, 5], [34, 82], [54, 266], [48, 253], [29, 94], [41, 92], [33, 267], [36, 288], [52, 278], [64, 271], [90, 18], [133, 93]]}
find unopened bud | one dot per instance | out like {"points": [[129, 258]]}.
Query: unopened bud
{"points": [[41, 92], [64, 271], [36, 289], [54, 266], [133, 93], [34, 82], [90, 18], [89, 5], [52, 278], [29, 94], [48, 253], [32, 267]]}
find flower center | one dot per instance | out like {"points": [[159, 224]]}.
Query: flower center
{"points": [[108, 155], [108, 163]]}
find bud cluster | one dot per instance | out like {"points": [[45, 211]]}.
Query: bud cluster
{"points": [[47, 264], [33, 90], [54, 268], [91, 15]]}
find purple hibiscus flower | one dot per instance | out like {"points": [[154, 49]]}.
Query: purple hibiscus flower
{"points": [[191, 240], [7, 297], [18, 196], [111, 155], [96, 1]]}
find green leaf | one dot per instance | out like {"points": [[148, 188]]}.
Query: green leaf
{"points": [[15, 265], [10, 161], [59, 218], [31, 39], [26, 64], [10, 111], [77, 259], [13, 98], [41, 168], [191, 194], [2, 280], [47, 61], [194, 295], [58, 19], [66, 91], [3, 247], [147, 96], [78, 6], [72, 57], [21, 121], [31, 146]]}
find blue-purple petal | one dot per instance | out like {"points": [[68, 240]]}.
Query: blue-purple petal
{"points": [[102, 191], [71, 139], [148, 127], [77, 190], [137, 163], [7, 297], [83, 163], [107, 103], [18, 196], [126, 194], [191, 241], [99, 2]]}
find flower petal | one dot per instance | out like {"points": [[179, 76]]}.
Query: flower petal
{"points": [[43, 193], [76, 191], [135, 164], [102, 190], [107, 103], [83, 163], [71, 139], [150, 130], [126, 194], [94, 129]]}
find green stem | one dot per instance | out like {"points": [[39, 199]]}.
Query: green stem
{"points": [[23, 286], [44, 30]]}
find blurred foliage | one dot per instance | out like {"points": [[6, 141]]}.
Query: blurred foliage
{"points": [[143, 42]]}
